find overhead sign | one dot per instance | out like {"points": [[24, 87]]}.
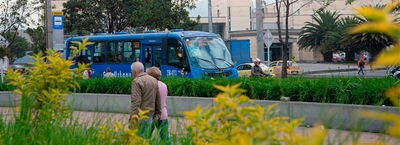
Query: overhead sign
{"points": [[268, 38], [58, 20], [58, 13]]}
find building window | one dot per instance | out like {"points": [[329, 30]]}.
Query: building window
{"points": [[229, 26], [229, 13], [251, 19], [217, 13]]}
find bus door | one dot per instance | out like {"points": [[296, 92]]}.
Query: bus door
{"points": [[85, 56], [152, 55]]}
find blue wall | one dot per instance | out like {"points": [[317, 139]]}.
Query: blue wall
{"points": [[240, 51]]}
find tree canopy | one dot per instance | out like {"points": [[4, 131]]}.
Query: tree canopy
{"points": [[16, 15], [38, 39], [93, 16], [331, 33], [314, 35], [18, 47]]}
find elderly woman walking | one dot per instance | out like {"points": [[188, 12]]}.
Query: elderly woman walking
{"points": [[161, 124]]}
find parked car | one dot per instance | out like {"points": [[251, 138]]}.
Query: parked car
{"points": [[19, 68], [336, 57], [244, 70], [292, 69], [343, 56]]}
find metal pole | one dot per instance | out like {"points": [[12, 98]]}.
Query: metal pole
{"points": [[2, 70], [269, 63], [259, 21], [210, 27], [49, 25]]}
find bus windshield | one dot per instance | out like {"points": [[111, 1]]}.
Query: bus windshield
{"points": [[208, 52]]}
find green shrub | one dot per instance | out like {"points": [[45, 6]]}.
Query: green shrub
{"points": [[353, 90]]}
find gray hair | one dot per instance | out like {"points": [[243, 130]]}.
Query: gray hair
{"points": [[137, 67]]}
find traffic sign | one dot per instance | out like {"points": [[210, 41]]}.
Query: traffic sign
{"points": [[268, 38], [58, 20]]}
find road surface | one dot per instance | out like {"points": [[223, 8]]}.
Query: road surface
{"points": [[376, 73]]}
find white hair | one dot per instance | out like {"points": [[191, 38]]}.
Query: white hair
{"points": [[137, 67]]}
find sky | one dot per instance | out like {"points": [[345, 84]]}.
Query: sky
{"points": [[202, 8], [34, 16]]}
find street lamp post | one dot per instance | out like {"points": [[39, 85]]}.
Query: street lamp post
{"points": [[49, 26]]}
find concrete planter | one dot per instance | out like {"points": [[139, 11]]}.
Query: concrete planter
{"points": [[341, 116]]}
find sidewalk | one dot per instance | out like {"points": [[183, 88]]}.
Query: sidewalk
{"points": [[177, 126], [313, 68]]}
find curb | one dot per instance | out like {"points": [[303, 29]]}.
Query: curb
{"points": [[330, 71]]}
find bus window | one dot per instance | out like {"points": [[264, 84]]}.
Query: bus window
{"points": [[131, 51], [71, 51], [114, 54], [175, 55], [99, 52], [89, 55], [84, 56], [157, 55], [172, 55]]}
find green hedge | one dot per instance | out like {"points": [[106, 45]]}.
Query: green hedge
{"points": [[367, 91]]}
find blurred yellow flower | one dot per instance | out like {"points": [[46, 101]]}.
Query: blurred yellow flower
{"points": [[385, 24], [237, 120]]}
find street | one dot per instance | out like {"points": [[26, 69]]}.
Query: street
{"points": [[376, 73]]}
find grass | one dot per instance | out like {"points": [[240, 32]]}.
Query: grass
{"points": [[81, 128]]}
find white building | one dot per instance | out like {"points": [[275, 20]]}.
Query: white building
{"points": [[238, 21]]}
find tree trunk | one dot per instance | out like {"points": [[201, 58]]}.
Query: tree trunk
{"points": [[375, 52], [328, 56], [350, 56], [286, 43]]}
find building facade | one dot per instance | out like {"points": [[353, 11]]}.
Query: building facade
{"points": [[240, 23]]}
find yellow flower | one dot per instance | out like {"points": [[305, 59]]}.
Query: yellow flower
{"points": [[235, 119], [384, 23]]}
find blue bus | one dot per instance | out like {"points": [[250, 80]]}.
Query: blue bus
{"points": [[177, 53]]}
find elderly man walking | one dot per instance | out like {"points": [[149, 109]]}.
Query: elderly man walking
{"points": [[144, 96]]}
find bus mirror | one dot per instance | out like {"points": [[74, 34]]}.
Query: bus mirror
{"points": [[179, 55]]}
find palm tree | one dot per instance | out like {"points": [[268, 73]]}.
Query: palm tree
{"points": [[313, 35], [334, 41], [372, 42]]}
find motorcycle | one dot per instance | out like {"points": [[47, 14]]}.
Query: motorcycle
{"points": [[393, 71]]}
